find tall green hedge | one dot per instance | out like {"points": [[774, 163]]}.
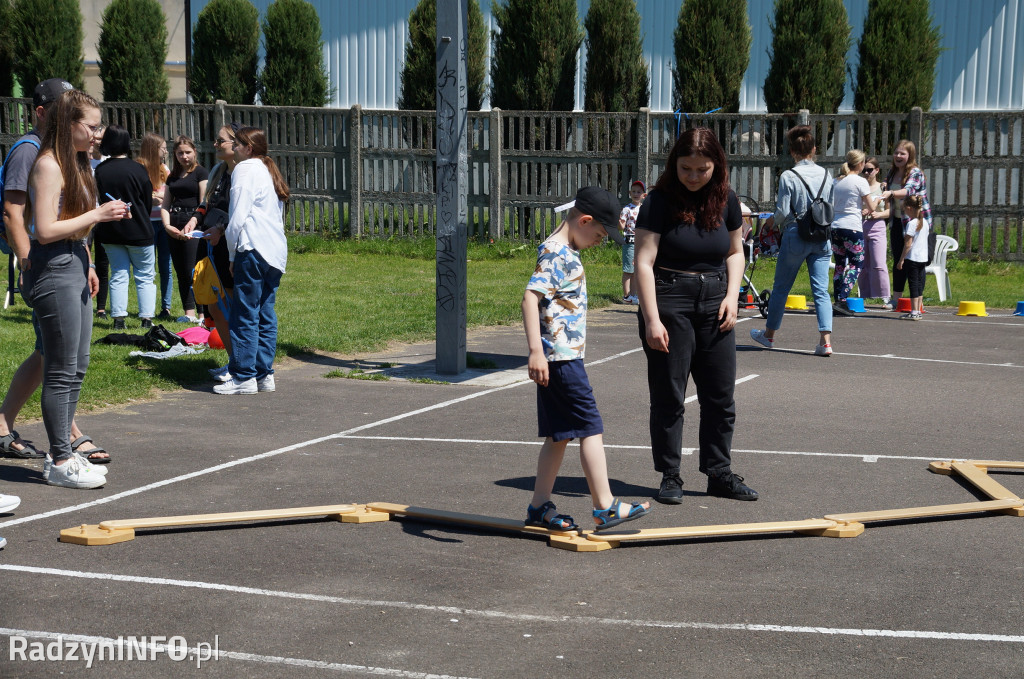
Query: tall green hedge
{"points": [[712, 50], [616, 75], [534, 61], [47, 42], [293, 71], [898, 51], [808, 56], [419, 72], [225, 48], [6, 49], [132, 51]]}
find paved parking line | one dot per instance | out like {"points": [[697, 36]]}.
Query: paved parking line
{"points": [[155, 650], [685, 451], [523, 617]]}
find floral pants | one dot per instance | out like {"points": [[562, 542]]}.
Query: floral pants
{"points": [[848, 249]]}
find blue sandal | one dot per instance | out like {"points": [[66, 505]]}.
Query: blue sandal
{"points": [[535, 517], [613, 516]]}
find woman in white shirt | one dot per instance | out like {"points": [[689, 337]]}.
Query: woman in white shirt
{"points": [[258, 251], [852, 195]]}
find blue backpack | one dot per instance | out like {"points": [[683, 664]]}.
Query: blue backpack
{"points": [[5, 247]]}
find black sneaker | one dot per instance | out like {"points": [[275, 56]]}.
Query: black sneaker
{"points": [[165, 315], [840, 309], [729, 485], [671, 491], [147, 322], [101, 315], [119, 323]]}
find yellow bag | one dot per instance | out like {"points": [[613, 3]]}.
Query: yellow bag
{"points": [[206, 286]]}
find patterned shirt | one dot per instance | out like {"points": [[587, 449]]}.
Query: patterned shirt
{"points": [[563, 309], [628, 217]]}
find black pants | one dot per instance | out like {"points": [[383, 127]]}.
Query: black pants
{"points": [[914, 272], [184, 255], [899, 276], [688, 307], [103, 273]]}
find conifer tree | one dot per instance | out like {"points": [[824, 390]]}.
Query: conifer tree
{"points": [[616, 75], [534, 61], [132, 51], [807, 66], [225, 47], [712, 50], [293, 71], [898, 53], [419, 72], [6, 49], [47, 37]]}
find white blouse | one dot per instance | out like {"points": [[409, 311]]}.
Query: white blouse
{"points": [[256, 215]]}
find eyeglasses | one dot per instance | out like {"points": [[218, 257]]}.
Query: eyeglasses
{"points": [[869, 170], [221, 142], [92, 128]]}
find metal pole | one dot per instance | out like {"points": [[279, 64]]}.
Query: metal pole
{"points": [[452, 185]]}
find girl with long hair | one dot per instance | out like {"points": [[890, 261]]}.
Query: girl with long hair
{"points": [[185, 188], [905, 178], [874, 274], [258, 251], [153, 157], [689, 264], [62, 197], [852, 197]]}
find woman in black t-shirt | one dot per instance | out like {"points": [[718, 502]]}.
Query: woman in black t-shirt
{"points": [[185, 187], [689, 263]]}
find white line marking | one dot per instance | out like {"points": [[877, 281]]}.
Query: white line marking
{"points": [[251, 458], [233, 655], [927, 360], [614, 356], [685, 451], [1016, 325], [522, 617]]}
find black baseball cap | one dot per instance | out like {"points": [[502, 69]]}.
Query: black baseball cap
{"points": [[599, 204], [47, 91]]}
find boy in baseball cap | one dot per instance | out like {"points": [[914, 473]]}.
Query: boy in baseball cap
{"points": [[555, 319]]}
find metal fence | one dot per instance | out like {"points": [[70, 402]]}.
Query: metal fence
{"points": [[379, 165]]}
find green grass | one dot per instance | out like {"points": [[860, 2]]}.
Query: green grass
{"points": [[344, 297]]}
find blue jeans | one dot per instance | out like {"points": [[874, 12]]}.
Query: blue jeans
{"points": [[57, 287], [793, 252], [163, 260], [137, 257], [253, 321]]}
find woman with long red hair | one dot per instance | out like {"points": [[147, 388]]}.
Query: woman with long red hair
{"points": [[689, 264]]}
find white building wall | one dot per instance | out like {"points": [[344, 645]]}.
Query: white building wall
{"points": [[981, 66]]}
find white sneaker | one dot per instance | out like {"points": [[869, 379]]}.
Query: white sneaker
{"points": [[222, 377], [217, 372], [266, 384], [757, 335], [235, 386], [9, 502], [823, 350], [3, 542], [48, 464], [73, 474], [633, 299]]}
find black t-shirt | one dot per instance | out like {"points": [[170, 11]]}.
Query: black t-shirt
{"points": [[185, 190], [688, 247], [127, 180]]}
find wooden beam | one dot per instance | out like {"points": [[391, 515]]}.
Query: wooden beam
{"points": [[802, 526], [921, 512]]}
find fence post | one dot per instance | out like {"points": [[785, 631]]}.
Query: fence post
{"points": [[497, 219], [643, 144], [220, 116], [355, 169], [917, 129], [803, 117]]}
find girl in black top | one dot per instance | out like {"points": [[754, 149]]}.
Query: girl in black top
{"points": [[689, 263], [185, 187]]}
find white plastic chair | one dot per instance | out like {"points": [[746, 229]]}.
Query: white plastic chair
{"points": [[943, 246]]}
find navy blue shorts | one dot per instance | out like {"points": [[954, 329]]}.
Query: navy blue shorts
{"points": [[566, 408]]}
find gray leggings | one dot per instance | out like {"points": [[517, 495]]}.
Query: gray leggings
{"points": [[57, 287]]}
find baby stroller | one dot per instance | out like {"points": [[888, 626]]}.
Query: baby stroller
{"points": [[761, 238]]}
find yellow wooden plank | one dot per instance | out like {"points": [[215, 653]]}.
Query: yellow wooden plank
{"points": [[463, 519], [707, 531], [980, 479], [920, 512], [228, 517], [994, 464]]}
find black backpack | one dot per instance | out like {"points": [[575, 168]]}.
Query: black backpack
{"points": [[815, 225]]}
